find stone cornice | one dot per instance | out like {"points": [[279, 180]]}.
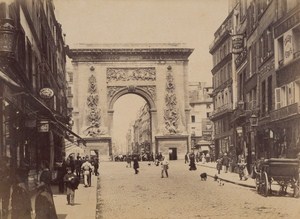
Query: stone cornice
{"points": [[129, 54]]}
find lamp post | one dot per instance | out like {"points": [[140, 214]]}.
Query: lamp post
{"points": [[253, 123]]}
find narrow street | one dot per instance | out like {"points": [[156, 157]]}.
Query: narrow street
{"points": [[182, 195]]}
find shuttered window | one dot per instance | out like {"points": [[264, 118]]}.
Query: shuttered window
{"points": [[277, 98]]}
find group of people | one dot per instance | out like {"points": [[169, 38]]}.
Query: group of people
{"points": [[224, 161], [163, 161], [17, 185], [71, 171]]}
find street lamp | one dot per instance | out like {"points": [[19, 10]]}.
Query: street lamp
{"points": [[253, 120], [239, 130]]}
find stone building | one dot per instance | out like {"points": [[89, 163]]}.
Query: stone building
{"points": [[200, 127], [142, 130], [33, 104], [265, 119], [33, 88], [224, 83], [284, 128]]}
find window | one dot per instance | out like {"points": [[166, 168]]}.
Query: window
{"points": [[280, 51], [263, 98], [207, 115], [193, 119], [2, 10], [290, 93], [277, 98], [270, 93], [253, 60], [70, 77]]}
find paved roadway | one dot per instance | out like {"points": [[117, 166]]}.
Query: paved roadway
{"points": [[183, 195]]}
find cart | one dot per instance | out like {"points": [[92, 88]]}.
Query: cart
{"points": [[281, 170]]}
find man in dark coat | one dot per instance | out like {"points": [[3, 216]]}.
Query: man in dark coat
{"points": [[135, 164], [226, 161]]}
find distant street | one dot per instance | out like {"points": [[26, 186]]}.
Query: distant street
{"points": [[182, 195]]}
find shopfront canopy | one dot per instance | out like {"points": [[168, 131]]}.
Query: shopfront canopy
{"points": [[203, 145], [73, 149]]}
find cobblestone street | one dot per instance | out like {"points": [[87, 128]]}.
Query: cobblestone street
{"points": [[182, 195]]}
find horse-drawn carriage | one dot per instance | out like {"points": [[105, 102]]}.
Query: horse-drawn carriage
{"points": [[281, 170]]}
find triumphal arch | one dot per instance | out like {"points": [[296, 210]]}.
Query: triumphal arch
{"points": [[156, 72]]}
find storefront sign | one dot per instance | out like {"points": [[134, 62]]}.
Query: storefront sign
{"points": [[46, 93], [237, 43], [43, 126]]}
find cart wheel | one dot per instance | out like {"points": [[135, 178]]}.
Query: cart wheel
{"points": [[257, 183], [265, 184]]}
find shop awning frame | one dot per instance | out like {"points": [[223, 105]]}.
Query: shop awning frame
{"points": [[51, 115]]}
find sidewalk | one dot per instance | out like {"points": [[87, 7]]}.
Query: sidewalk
{"points": [[210, 169], [85, 203]]}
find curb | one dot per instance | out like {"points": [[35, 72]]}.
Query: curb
{"points": [[226, 180], [236, 183]]}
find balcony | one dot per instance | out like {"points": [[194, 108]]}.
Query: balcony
{"points": [[285, 112], [220, 111]]}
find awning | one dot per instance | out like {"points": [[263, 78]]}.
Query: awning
{"points": [[8, 80], [72, 148], [48, 113], [204, 148]]}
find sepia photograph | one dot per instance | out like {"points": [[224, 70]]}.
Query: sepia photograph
{"points": [[149, 109]]}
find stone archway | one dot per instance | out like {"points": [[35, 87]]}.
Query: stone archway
{"points": [[157, 74], [145, 92]]}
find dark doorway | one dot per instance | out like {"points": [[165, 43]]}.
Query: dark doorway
{"points": [[172, 153]]}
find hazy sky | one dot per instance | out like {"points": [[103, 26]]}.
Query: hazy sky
{"points": [[144, 21]]}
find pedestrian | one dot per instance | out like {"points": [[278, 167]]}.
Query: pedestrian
{"points": [[45, 208], [96, 166], [78, 163], [45, 176], [128, 160], [72, 182], [186, 158], [136, 164], [203, 160], [219, 164], [86, 169], [192, 162], [207, 157], [61, 171], [226, 161], [71, 163], [243, 173], [20, 198], [164, 167], [5, 185]]}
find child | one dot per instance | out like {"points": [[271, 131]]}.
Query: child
{"points": [[72, 183], [219, 165]]}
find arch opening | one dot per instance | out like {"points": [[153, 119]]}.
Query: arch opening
{"points": [[132, 129]]}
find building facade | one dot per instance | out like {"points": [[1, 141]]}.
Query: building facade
{"points": [[33, 104], [200, 127], [265, 119], [224, 83]]}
